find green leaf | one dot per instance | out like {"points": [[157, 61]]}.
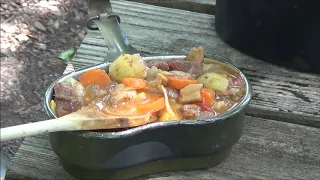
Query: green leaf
{"points": [[67, 55]]}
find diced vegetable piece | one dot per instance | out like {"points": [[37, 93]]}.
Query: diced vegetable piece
{"points": [[134, 83], [208, 96], [214, 67], [142, 96], [191, 93], [52, 106], [175, 105], [183, 75], [121, 95], [95, 76], [162, 79], [70, 81], [206, 67], [166, 99], [172, 93], [155, 85], [146, 96], [79, 88], [92, 92], [174, 115], [179, 83], [128, 66], [220, 106], [123, 111], [196, 54], [166, 73], [151, 106], [215, 81], [166, 116], [152, 73], [154, 117]]}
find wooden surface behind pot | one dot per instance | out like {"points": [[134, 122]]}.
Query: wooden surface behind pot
{"points": [[201, 6], [268, 149]]}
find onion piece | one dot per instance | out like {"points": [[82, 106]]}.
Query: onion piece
{"points": [[130, 112], [168, 107]]}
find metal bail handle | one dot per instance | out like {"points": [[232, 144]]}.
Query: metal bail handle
{"points": [[108, 23], [91, 22]]}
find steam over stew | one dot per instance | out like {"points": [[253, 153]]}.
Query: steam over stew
{"points": [[187, 89]]}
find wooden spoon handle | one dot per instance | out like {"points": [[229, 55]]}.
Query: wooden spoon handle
{"points": [[36, 128], [73, 122]]}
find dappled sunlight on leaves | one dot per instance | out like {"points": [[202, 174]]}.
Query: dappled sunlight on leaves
{"points": [[33, 35]]}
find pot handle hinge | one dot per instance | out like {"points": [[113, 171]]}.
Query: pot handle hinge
{"points": [[102, 18]]}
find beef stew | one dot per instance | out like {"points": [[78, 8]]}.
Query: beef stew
{"points": [[190, 89]]}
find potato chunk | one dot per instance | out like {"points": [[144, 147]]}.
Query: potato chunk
{"points": [[127, 65], [191, 93], [215, 81]]}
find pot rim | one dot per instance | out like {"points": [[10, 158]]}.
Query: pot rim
{"points": [[140, 129]]}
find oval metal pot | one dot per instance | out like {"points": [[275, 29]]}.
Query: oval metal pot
{"points": [[152, 148]]}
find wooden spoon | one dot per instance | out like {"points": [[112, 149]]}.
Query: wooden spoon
{"points": [[87, 118]]}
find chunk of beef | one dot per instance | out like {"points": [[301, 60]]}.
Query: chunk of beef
{"points": [[236, 82], [196, 54], [155, 85], [66, 99], [190, 111], [158, 64], [192, 67]]}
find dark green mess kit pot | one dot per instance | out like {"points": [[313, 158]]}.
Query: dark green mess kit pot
{"points": [[151, 148]]}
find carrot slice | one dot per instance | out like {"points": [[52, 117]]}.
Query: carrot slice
{"points": [[208, 96], [134, 83], [151, 106], [95, 76], [179, 83]]}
